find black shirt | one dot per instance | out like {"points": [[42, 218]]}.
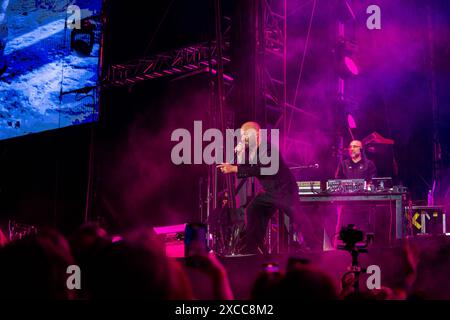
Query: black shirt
{"points": [[282, 184], [363, 169]]}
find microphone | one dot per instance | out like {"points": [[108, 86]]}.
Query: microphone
{"points": [[240, 146], [238, 152], [311, 166]]}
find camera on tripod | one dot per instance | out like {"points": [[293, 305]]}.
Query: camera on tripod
{"points": [[355, 242], [354, 239]]}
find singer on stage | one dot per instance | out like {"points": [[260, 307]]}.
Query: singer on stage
{"points": [[280, 190]]}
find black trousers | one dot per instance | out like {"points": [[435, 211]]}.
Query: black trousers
{"points": [[260, 211]]}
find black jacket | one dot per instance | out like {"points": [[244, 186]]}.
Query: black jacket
{"points": [[280, 185], [363, 169]]}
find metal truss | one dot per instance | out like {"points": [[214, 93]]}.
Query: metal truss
{"points": [[185, 61], [179, 63], [271, 62], [271, 69]]}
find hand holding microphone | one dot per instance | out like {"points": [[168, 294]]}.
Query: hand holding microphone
{"points": [[240, 147], [229, 168]]}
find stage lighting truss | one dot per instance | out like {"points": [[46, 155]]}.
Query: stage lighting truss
{"points": [[271, 62], [272, 69], [179, 63], [186, 61]]}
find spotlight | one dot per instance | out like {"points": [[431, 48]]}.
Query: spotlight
{"points": [[82, 40], [351, 66], [351, 121], [345, 65]]}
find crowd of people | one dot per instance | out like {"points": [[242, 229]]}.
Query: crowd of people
{"points": [[135, 266]]}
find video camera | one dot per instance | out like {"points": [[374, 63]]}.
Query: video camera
{"points": [[354, 239], [355, 242]]}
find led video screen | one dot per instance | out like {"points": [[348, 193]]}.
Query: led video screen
{"points": [[49, 64]]}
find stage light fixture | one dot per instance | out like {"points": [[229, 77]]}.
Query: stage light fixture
{"points": [[345, 63], [351, 121], [351, 66], [82, 40]]}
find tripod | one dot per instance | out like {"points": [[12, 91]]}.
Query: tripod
{"points": [[355, 267]]}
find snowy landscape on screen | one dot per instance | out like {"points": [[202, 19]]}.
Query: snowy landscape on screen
{"points": [[36, 89]]}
